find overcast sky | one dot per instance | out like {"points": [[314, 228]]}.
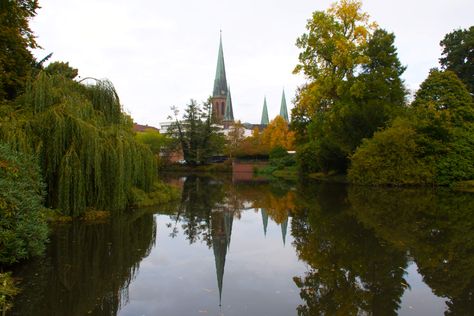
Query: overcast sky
{"points": [[163, 53]]}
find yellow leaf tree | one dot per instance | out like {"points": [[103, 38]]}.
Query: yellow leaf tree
{"points": [[277, 134]]}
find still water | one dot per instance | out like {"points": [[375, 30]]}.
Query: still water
{"points": [[264, 249]]}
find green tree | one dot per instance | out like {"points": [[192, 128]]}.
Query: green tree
{"points": [[198, 137], [16, 38], [23, 229], [444, 93], [458, 55], [87, 151], [432, 143], [61, 68]]}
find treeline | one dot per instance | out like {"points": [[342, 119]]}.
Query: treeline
{"points": [[354, 115]]}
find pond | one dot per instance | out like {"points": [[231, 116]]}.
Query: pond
{"points": [[264, 248]]}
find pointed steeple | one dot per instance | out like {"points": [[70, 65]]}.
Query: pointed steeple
{"points": [[283, 108], [284, 228], [229, 112], [220, 81], [264, 120], [264, 220]]}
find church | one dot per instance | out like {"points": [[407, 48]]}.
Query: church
{"points": [[222, 108]]}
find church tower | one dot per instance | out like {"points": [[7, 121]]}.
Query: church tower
{"points": [[220, 94]]}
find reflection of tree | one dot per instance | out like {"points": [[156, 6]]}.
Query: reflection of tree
{"points": [[277, 201], [351, 270], [199, 197], [437, 228], [91, 268]]}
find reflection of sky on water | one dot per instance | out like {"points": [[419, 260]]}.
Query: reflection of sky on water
{"points": [[419, 299], [180, 279]]}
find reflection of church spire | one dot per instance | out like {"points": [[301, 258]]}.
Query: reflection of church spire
{"points": [[265, 220], [284, 227], [221, 233]]}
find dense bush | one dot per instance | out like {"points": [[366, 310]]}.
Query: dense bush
{"points": [[280, 158], [23, 230], [457, 164], [305, 158], [391, 156]]}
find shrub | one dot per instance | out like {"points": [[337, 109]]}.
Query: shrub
{"points": [[23, 229], [391, 157]]}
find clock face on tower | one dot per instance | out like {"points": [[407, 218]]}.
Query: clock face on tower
{"points": [[222, 92]]}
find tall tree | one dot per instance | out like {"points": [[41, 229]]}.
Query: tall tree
{"points": [[332, 49], [16, 38], [458, 55], [196, 133], [354, 84]]}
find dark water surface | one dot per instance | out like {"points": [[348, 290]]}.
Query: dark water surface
{"points": [[264, 249]]}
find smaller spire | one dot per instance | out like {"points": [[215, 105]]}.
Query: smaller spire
{"points": [[264, 220], [283, 108], [229, 112], [284, 228], [264, 120]]}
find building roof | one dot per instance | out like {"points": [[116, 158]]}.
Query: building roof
{"points": [[220, 81], [144, 128], [283, 108], [264, 120], [229, 111]]}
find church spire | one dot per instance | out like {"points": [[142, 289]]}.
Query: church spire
{"points": [[264, 120], [220, 81], [229, 112], [283, 108]]}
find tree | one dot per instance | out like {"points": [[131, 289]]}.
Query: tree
{"points": [[355, 86], [16, 38], [197, 136], [444, 93], [277, 134], [332, 50], [432, 144], [458, 55], [234, 138], [253, 146], [61, 68], [87, 152]]}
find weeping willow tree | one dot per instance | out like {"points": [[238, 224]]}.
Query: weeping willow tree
{"points": [[87, 151]]}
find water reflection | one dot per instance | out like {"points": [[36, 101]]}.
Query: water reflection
{"points": [[87, 269], [352, 272], [208, 207], [266, 248], [435, 227]]}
